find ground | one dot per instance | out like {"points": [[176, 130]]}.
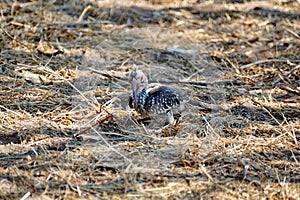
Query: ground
{"points": [[67, 132]]}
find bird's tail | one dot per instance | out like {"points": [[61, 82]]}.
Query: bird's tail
{"points": [[205, 105]]}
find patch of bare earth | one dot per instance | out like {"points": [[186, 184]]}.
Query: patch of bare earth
{"points": [[67, 132]]}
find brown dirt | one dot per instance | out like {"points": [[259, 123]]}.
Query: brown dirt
{"points": [[66, 131]]}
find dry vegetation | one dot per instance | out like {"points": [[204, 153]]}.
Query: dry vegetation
{"points": [[66, 131]]}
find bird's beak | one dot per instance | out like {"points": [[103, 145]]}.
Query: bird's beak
{"points": [[134, 87]]}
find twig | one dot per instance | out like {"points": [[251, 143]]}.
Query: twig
{"points": [[286, 74], [10, 111], [293, 155], [225, 82], [34, 56], [291, 90], [267, 61], [51, 72], [108, 75], [109, 146], [279, 124], [293, 33], [91, 123], [86, 9], [26, 196], [72, 25], [207, 174], [233, 65]]}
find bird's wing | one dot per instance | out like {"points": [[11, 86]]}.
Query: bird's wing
{"points": [[162, 98]]}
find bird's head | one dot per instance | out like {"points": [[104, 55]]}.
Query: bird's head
{"points": [[138, 81]]}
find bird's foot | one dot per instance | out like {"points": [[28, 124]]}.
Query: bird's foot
{"points": [[170, 129]]}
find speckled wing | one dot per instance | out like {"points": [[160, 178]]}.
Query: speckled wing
{"points": [[161, 99]]}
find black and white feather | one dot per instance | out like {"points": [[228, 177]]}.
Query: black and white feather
{"points": [[159, 99]]}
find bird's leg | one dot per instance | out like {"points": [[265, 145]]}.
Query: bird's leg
{"points": [[172, 128], [170, 120], [170, 116], [177, 117]]}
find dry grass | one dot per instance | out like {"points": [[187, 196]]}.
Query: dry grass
{"points": [[66, 131]]}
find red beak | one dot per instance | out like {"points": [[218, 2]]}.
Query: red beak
{"points": [[134, 90]]}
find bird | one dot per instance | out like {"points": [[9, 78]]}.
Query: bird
{"points": [[160, 99]]}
